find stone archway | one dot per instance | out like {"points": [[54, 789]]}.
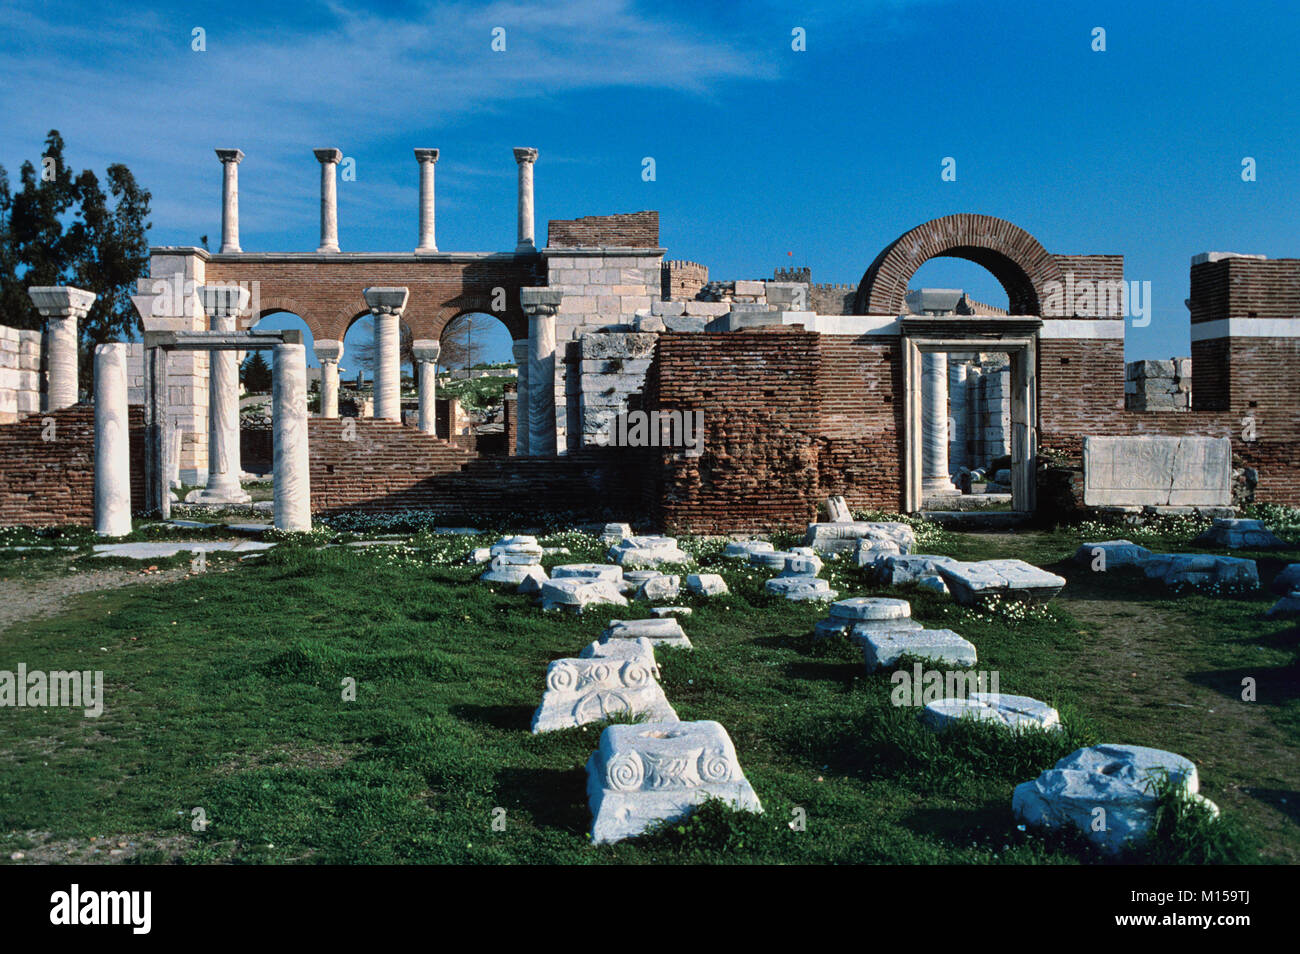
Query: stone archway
{"points": [[1014, 257]]}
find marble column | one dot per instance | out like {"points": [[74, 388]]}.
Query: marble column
{"points": [[425, 352], [427, 158], [291, 503], [520, 351], [541, 304], [525, 157], [328, 351], [958, 447], [223, 303], [934, 424], [387, 305], [230, 160], [112, 443], [329, 206], [62, 307]]}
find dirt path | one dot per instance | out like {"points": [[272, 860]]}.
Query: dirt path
{"points": [[25, 598]]}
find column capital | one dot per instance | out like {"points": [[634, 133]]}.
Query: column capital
{"points": [[61, 301], [231, 155], [327, 349], [386, 301], [426, 155], [224, 301], [540, 302], [525, 154], [426, 349], [328, 155]]}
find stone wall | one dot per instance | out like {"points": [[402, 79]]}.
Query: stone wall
{"points": [[682, 281], [20, 373], [47, 467], [1158, 385], [612, 372]]}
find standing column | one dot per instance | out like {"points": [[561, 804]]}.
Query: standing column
{"points": [[62, 307], [230, 160], [427, 158], [112, 443], [329, 207], [387, 305], [425, 352], [934, 424], [291, 504], [958, 452], [222, 304], [526, 157], [541, 304], [328, 353], [520, 351]]}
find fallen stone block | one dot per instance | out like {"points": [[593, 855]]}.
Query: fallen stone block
{"points": [[706, 584], [1119, 779], [743, 549], [513, 573], [660, 587], [1288, 581], [798, 565], [933, 584], [827, 538], [1109, 554], [579, 691], [576, 595], [638, 648], [882, 650], [667, 612], [588, 571], [1012, 712], [1202, 571], [1287, 606], [532, 583], [896, 569], [770, 559], [646, 551], [974, 583], [158, 551], [662, 631], [868, 551], [643, 774], [1236, 534], [615, 532], [480, 555], [801, 588]]}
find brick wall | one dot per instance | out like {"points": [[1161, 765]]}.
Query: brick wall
{"points": [[629, 230], [45, 482], [860, 382]]}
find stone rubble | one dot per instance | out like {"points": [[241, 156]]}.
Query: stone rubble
{"points": [[579, 691], [973, 583], [896, 569], [1237, 533], [1012, 712], [646, 551], [885, 649], [801, 588], [576, 594], [661, 631], [706, 584]]}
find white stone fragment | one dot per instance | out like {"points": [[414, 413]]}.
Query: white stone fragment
{"points": [[158, 551], [1200, 570], [500, 571], [870, 608], [588, 571], [662, 631], [614, 532], [1288, 581], [532, 583], [743, 549], [973, 583], [797, 565], [667, 612], [576, 594], [579, 691], [1109, 554], [480, 555], [642, 774], [895, 569], [933, 584], [1013, 712], [1237, 533], [801, 588], [646, 551], [882, 650], [1121, 780], [706, 584], [638, 648], [661, 587], [771, 559], [843, 537]]}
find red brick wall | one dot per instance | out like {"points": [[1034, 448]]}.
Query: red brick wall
{"points": [[53, 482], [1245, 288], [630, 229]]}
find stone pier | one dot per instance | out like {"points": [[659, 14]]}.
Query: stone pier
{"points": [[62, 307], [541, 304], [112, 442], [230, 160], [425, 353], [522, 404], [525, 157], [387, 305], [329, 207], [291, 507], [427, 158], [223, 303]]}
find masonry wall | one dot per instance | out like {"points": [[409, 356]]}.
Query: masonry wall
{"points": [[20, 373], [52, 481]]}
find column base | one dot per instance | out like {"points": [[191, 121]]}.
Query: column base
{"points": [[328, 248], [217, 495], [936, 486], [526, 247]]}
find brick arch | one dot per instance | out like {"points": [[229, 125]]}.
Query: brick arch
{"points": [[281, 304], [1012, 255]]}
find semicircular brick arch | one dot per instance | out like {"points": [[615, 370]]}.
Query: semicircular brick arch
{"points": [[280, 305], [1016, 259]]}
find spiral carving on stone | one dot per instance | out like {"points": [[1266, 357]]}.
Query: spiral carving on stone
{"points": [[562, 677], [636, 675], [715, 767], [624, 772]]}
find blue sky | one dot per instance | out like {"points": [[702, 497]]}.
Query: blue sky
{"points": [[765, 157]]}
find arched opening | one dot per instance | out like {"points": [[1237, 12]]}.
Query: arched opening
{"points": [[479, 383], [255, 441]]}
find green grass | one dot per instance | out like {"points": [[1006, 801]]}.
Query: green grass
{"points": [[225, 692]]}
